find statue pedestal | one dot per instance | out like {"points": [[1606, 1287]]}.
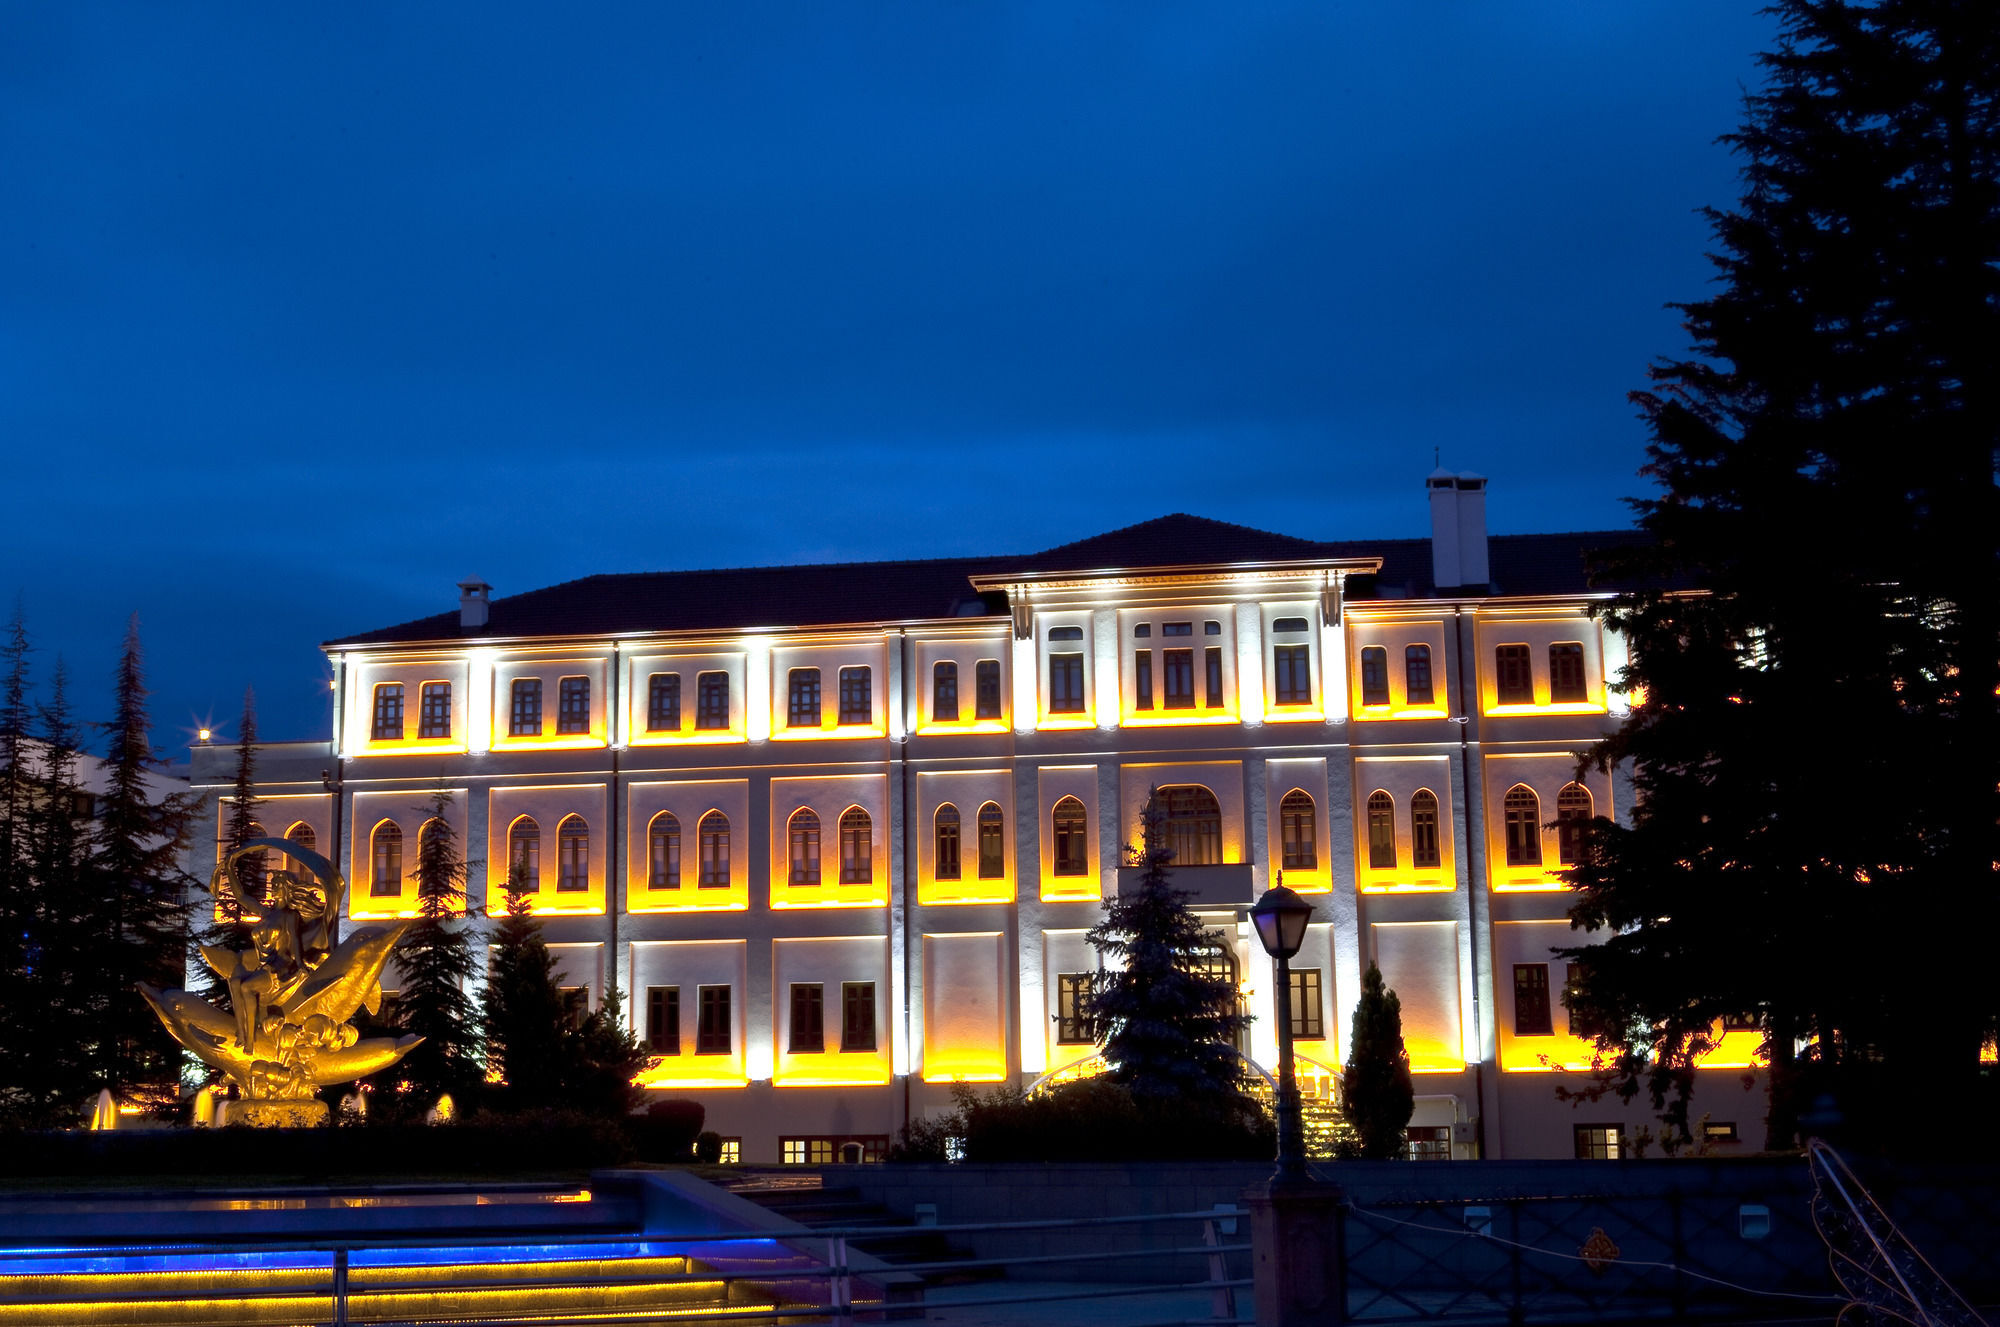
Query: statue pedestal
{"points": [[307, 1114]]}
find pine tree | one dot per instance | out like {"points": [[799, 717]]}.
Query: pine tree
{"points": [[16, 893], [244, 806], [1377, 1092], [522, 1008], [1167, 1025], [436, 958], [1812, 737], [601, 1059]]}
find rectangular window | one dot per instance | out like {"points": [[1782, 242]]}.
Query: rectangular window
{"points": [[663, 1019], [1065, 684], [663, 703], [857, 1016], [525, 715], [808, 1018], [576, 1005], [944, 693], [1212, 661], [713, 1031], [1291, 665], [1566, 683], [1513, 675], [434, 719], [1719, 1131], [1142, 679], [1429, 1142], [1178, 676], [1599, 1142], [1531, 1000], [987, 675], [1177, 629], [1073, 1026], [711, 705], [732, 1152], [1417, 688], [857, 696], [388, 725], [573, 705], [802, 709], [1307, 1013], [1374, 676]]}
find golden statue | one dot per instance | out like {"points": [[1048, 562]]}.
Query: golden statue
{"points": [[291, 994]]}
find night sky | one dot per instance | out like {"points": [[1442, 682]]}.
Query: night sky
{"points": [[309, 311]]}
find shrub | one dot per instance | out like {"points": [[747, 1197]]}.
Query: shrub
{"points": [[1095, 1119], [667, 1131], [708, 1147]]}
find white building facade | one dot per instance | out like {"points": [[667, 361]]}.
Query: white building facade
{"points": [[836, 833]]}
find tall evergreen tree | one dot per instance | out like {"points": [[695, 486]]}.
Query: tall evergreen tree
{"points": [[1377, 1092], [436, 958], [1167, 1024], [244, 807], [521, 1010], [1813, 735], [16, 892], [602, 1058]]}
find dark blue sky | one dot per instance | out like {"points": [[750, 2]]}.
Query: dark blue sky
{"points": [[307, 312]]}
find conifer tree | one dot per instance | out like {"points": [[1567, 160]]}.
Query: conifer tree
{"points": [[244, 806], [1167, 1025], [602, 1058], [436, 958], [1377, 1092], [521, 1010], [16, 893]]}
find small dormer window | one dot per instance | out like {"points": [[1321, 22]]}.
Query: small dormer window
{"points": [[1144, 631], [1286, 624]]}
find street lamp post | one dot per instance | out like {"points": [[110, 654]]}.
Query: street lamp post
{"points": [[1281, 917]]}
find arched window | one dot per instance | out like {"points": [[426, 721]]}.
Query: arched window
{"points": [[802, 847], [1424, 830], [857, 847], [663, 842], [1217, 962], [1374, 675], [945, 863], [524, 855], [1193, 825], [992, 842], [572, 855], [713, 832], [301, 834], [385, 850], [1300, 830], [1072, 838], [1524, 826], [1572, 813], [1381, 831], [1417, 687]]}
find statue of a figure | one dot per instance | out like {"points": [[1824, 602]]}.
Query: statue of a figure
{"points": [[291, 994]]}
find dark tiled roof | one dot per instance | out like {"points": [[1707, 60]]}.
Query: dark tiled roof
{"points": [[847, 593]]}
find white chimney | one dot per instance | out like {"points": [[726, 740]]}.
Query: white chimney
{"points": [[1458, 529], [472, 594]]}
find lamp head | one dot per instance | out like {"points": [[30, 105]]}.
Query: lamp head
{"points": [[1281, 917]]}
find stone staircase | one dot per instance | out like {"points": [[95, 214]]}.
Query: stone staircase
{"points": [[831, 1206]]}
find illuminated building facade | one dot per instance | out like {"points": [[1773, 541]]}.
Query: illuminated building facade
{"points": [[836, 832]]}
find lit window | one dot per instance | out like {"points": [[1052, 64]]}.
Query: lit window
{"points": [[1071, 838], [808, 1028], [944, 692], [857, 1016], [572, 855], [1292, 667], [1523, 812], [663, 839], [986, 674], [1374, 676], [1142, 679], [1599, 1142], [1572, 814], [1566, 684], [1073, 1023], [1531, 1000], [1177, 675], [802, 839], [1307, 1013], [524, 855], [386, 851], [1417, 687], [525, 719], [713, 833], [1212, 667], [945, 860], [732, 1152], [663, 703], [1300, 831], [992, 842], [388, 725], [434, 716], [663, 1020], [1193, 825], [1381, 831], [803, 706], [857, 702], [1424, 830], [1513, 675], [573, 705], [712, 701], [713, 1033], [1429, 1142], [857, 847]]}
